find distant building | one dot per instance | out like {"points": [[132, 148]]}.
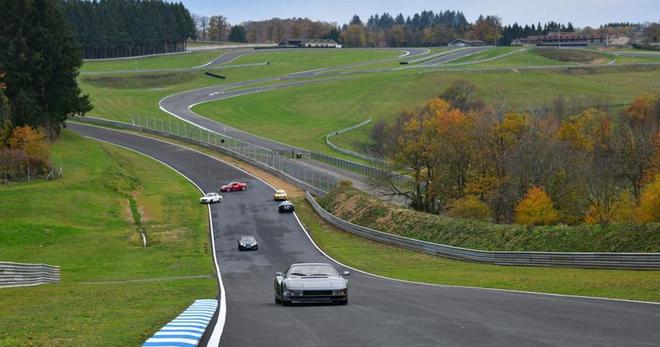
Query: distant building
{"points": [[563, 39], [619, 41], [466, 43], [309, 43]]}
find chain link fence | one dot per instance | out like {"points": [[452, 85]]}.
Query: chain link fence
{"points": [[28, 174], [286, 163]]}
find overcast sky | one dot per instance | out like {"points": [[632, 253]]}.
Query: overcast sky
{"points": [[579, 12]]}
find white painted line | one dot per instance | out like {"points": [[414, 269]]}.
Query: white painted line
{"points": [[170, 333], [172, 340]]}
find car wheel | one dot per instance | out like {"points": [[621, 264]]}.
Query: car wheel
{"points": [[286, 303], [278, 301], [244, 188], [342, 302]]}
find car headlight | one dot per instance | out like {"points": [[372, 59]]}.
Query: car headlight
{"points": [[339, 292], [292, 292]]}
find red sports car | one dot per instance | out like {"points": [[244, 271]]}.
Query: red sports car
{"points": [[233, 186]]}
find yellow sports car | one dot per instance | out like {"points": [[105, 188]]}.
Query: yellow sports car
{"points": [[280, 195]]}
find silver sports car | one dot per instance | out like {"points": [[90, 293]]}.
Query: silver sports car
{"points": [[311, 282]]}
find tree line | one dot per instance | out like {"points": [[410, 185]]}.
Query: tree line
{"points": [[569, 163], [120, 28], [39, 62]]}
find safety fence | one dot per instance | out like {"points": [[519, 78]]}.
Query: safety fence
{"points": [[28, 174], [646, 261], [20, 275], [296, 170]]}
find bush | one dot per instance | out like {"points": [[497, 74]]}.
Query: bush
{"points": [[536, 208], [362, 209], [470, 207], [27, 155]]}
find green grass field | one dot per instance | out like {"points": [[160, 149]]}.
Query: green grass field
{"points": [[125, 96], [301, 116], [83, 223], [408, 265], [174, 61]]}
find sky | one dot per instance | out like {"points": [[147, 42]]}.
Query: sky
{"points": [[580, 12]]}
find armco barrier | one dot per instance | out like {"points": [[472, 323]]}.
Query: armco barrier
{"points": [[647, 261], [288, 169], [20, 275]]}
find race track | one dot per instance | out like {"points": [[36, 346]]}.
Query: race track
{"points": [[381, 312]]}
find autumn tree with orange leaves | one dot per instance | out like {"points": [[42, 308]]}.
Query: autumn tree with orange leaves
{"points": [[472, 160]]}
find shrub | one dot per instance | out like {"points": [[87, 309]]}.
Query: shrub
{"points": [[470, 207], [363, 209], [536, 208], [27, 154]]}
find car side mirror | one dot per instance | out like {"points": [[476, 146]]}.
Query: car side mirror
{"points": [[346, 273], [280, 274]]}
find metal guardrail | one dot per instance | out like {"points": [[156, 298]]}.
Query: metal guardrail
{"points": [[646, 261], [20, 275], [291, 170], [349, 152]]}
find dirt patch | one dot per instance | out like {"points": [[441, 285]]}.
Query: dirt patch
{"points": [[570, 55]]}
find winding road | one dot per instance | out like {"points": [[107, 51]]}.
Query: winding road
{"points": [[381, 312]]}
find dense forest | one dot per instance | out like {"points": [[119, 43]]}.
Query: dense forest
{"points": [[109, 29], [39, 63], [570, 162]]}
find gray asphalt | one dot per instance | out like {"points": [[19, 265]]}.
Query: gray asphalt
{"points": [[449, 57], [179, 105], [381, 312]]}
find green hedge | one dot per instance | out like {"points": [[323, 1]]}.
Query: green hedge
{"points": [[362, 209]]}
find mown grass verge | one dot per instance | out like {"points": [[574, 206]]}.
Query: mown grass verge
{"points": [[87, 223], [362, 209], [172, 61], [399, 263], [302, 116]]}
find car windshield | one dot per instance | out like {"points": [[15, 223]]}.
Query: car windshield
{"points": [[210, 194], [312, 270], [247, 239], [280, 192]]}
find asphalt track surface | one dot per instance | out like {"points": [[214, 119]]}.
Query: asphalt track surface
{"points": [[449, 57], [179, 105], [380, 312]]}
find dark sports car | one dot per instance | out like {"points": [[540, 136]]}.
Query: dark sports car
{"points": [[247, 243], [286, 207], [311, 282], [233, 187]]}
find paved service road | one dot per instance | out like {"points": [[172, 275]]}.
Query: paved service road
{"points": [[381, 312]]}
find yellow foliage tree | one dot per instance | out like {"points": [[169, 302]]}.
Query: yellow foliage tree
{"points": [[587, 129], [649, 202], [536, 208], [622, 210], [33, 142], [470, 207]]}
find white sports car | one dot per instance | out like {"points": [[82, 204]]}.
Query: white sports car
{"points": [[210, 198]]}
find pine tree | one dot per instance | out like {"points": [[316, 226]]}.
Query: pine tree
{"points": [[41, 63], [237, 34]]}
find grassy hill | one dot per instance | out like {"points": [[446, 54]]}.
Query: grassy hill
{"points": [[114, 292], [301, 116]]}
